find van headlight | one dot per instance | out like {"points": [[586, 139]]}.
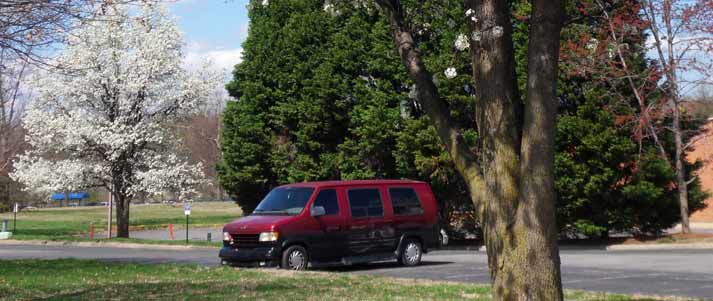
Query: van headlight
{"points": [[227, 237], [268, 236]]}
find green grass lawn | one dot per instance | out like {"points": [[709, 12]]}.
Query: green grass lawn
{"points": [[67, 223], [92, 280]]}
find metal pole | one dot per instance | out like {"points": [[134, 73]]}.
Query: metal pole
{"points": [[14, 219], [111, 204], [186, 228]]}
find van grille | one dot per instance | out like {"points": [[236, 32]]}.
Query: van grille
{"points": [[246, 240]]}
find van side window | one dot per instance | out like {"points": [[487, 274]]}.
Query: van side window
{"points": [[365, 202], [328, 199], [405, 201]]}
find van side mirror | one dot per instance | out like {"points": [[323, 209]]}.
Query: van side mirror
{"points": [[317, 211]]}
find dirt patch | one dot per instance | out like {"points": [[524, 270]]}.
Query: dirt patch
{"points": [[692, 235]]}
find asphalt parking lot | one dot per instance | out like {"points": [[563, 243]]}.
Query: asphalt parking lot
{"points": [[687, 273]]}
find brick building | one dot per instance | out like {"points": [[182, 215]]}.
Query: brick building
{"points": [[703, 150]]}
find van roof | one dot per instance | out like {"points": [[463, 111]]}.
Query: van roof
{"points": [[352, 183]]}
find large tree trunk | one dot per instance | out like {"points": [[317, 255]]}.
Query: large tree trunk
{"points": [[535, 226], [511, 182], [518, 155], [499, 119]]}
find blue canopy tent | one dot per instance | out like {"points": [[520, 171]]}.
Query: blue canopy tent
{"points": [[72, 196]]}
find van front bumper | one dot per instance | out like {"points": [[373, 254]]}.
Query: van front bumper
{"points": [[257, 256]]}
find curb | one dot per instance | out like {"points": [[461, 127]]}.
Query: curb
{"points": [[461, 248], [103, 245], [671, 246]]}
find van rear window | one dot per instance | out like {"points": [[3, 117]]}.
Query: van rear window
{"points": [[405, 201], [365, 202]]}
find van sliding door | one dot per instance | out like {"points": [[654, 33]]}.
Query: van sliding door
{"points": [[364, 205]]}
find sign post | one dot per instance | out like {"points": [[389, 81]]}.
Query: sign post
{"points": [[14, 217], [187, 212]]}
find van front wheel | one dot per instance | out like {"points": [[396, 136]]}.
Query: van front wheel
{"points": [[411, 253], [295, 258]]}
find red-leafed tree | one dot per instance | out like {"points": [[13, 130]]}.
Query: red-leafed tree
{"points": [[613, 57], [680, 42]]}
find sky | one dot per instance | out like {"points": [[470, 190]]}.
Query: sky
{"points": [[213, 29]]}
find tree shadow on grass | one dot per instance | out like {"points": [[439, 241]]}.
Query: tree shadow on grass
{"points": [[377, 266], [178, 290]]}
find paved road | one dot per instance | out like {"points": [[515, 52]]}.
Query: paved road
{"points": [[179, 233], [217, 232], [680, 272]]}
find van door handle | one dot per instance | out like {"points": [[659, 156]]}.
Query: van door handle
{"points": [[334, 228], [362, 227]]}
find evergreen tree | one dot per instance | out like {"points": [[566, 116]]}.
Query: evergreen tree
{"points": [[322, 95], [318, 97]]}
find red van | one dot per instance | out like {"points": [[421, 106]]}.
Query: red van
{"points": [[344, 222]]}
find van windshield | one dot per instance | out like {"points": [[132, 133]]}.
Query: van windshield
{"points": [[285, 200]]}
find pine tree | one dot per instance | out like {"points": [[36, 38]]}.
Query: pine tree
{"points": [[321, 95]]}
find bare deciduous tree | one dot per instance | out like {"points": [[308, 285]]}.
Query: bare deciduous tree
{"points": [[682, 32], [12, 101], [201, 136], [11, 105], [29, 27]]}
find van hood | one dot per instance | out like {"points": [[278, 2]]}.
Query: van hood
{"points": [[254, 224]]}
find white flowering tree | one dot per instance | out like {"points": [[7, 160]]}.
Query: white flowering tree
{"points": [[102, 113]]}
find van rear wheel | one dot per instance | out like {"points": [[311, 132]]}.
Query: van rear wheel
{"points": [[295, 258], [411, 253]]}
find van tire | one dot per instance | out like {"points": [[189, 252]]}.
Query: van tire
{"points": [[295, 258], [411, 253]]}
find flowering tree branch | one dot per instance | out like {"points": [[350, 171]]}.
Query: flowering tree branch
{"points": [[428, 95]]}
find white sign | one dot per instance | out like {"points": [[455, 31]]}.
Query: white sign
{"points": [[187, 208], [16, 209]]}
